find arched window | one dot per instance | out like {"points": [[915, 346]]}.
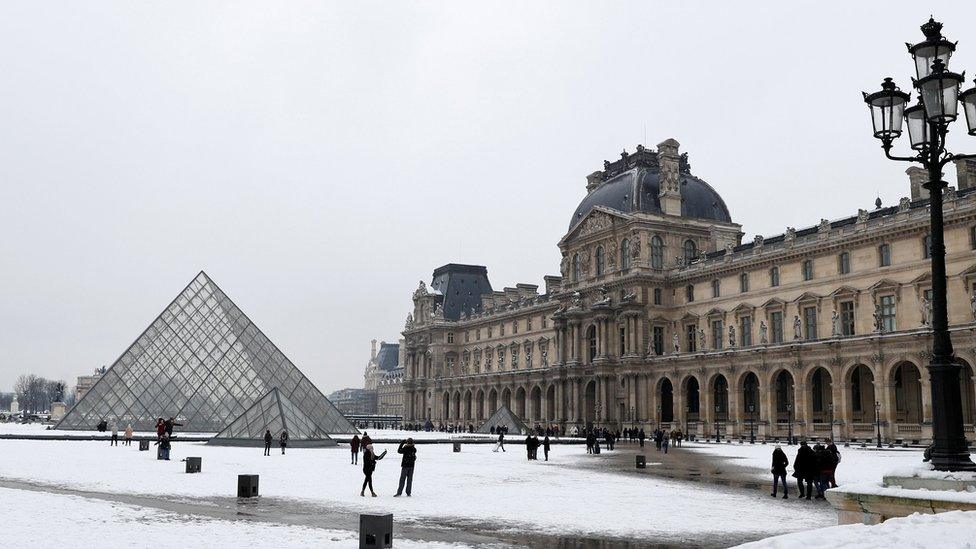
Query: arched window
{"points": [[691, 251], [576, 268], [591, 342], [657, 252], [690, 293], [599, 261], [625, 254]]}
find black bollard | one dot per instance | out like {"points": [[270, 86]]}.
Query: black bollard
{"points": [[247, 486], [375, 531], [193, 464], [641, 462]]}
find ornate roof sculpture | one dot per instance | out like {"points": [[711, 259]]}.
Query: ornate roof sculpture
{"points": [[203, 362]]}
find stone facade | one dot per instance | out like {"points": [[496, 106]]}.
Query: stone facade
{"points": [[663, 316]]}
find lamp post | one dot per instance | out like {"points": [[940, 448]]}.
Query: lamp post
{"points": [[789, 416], [877, 420], [659, 415], [928, 123], [687, 413], [718, 426], [633, 417], [752, 424], [599, 408], [830, 408]]}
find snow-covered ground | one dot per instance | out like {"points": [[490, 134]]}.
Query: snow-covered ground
{"points": [[945, 530], [856, 465], [501, 490], [94, 523]]}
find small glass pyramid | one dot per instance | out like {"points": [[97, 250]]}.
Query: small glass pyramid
{"points": [[203, 362], [273, 413], [504, 417]]}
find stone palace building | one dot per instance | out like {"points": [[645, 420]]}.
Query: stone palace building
{"points": [[663, 316]]}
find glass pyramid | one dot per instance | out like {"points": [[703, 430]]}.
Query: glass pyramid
{"points": [[276, 413], [203, 362], [506, 418]]}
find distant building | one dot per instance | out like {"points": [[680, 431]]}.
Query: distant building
{"points": [[85, 383], [354, 401]]}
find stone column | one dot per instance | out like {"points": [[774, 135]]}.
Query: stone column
{"points": [[802, 409], [842, 414], [706, 409], [737, 411]]}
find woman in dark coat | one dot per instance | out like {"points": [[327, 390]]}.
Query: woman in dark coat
{"points": [[354, 449], [803, 466], [779, 471], [369, 465], [283, 441]]}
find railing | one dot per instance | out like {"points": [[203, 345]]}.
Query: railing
{"points": [[903, 428], [863, 427], [969, 428], [820, 427]]}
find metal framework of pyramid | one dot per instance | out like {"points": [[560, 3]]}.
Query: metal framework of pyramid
{"points": [[203, 362], [273, 413], [506, 418]]}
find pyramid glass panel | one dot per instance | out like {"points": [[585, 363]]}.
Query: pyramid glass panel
{"points": [[203, 362], [275, 413], [504, 418]]}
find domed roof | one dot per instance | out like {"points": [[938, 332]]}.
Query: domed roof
{"points": [[635, 189]]}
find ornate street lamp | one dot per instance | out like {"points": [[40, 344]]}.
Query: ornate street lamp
{"points": [[877, 420], [752, 424], [718, 426], [789, 416], [830, 408], [687, 413], [928, 123], [659, 418]]}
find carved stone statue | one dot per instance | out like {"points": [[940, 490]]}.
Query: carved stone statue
{"points": [[758, 241], [729, 248], [577, 299], [862, 216], [409, 323], [834, 324], [635, 244], [790, 234], [731, 336], [972, 305], [878, 324], [612, 254], [674, 343], [564, 267], [585, 263], [438, 312], [926, 311], [763, 335], [796, 327], [824, 226], [701, 340]]}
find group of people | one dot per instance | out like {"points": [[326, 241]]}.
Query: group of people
{"points": [[114, 441], [816, 467], [406, 448], [164, 436], [282, 440], [663, 438], [532, 447]]}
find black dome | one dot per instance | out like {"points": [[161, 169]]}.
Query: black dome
{"points": [[636, 190]]}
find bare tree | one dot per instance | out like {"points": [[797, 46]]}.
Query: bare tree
{"points": [[32, 393]]}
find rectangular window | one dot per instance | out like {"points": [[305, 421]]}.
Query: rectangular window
{"points": [[477, 334], [774, 277], [716, 334], [745, 331], [716, 288], [501, 330], [690, 293], [657, 296], [467, 336], [623, 342], [884, 255], [810, 322], [972, 237], [658, 337], [847, 318], [515, 326], [844, 263], [691, 335], [888, 313], [808, 270], [776, 326], [744, 282], [927, 247], [545, 322]]}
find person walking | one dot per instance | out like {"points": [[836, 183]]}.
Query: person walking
{"points": [[528, 448], [665, 437], [500, 445], [115, 434], [779, 471], [545, 447], [267, 442], [802, 469], [354, 449], [128, 435], [283, 440], [822, 460], [835, 455], [641, 436], [366, 441], [409, 452], [369, 465]]}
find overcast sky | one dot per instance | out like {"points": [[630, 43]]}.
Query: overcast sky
{"points": [[318, 159]]}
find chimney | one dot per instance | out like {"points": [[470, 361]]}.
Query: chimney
{"points": [[670, 184], [965, 173], [918, 177], [593, 181], [552, 283], [528, 291], [372, 354]]}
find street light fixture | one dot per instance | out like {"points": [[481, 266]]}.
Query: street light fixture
{"points": [[830, 408], [718, 426], [752, 424], [789, 416], [928, 124], [877, 420], [659, 418], [687, 413]]}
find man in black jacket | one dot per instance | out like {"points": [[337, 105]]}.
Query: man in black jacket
{"points": [[409, 452], [267, 442]]}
